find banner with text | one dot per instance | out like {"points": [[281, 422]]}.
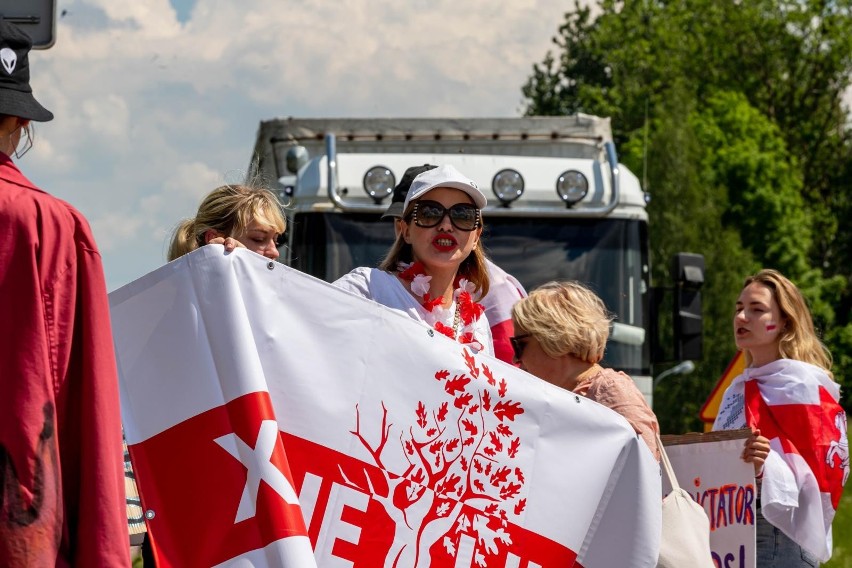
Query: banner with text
{"points": [[268, 412], [709, 466]]}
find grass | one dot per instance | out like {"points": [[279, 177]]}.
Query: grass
{"points": [[842, 529]]}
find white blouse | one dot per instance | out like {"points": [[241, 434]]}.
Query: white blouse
{"points": [[386, 289]]}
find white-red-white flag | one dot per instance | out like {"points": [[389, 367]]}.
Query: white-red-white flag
{"points": [[404, 448], [795, 405]]}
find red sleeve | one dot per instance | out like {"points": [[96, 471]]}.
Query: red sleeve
{"points": [[30, 521], [89, 421], [500, 335]]}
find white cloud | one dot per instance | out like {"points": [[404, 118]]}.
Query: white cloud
{"points": [[109, 116], [193, 181], [152, 113], [120, 228]]}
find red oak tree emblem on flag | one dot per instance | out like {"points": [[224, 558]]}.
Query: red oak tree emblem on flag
{"points": [[460, 480]]}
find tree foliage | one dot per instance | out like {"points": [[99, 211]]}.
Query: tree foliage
{"points": [[736, 110]]}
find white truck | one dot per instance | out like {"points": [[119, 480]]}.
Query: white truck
{"points": [[561, 207]]}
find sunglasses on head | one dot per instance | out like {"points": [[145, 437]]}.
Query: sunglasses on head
{"points": [[463, 216], [518, 345]]}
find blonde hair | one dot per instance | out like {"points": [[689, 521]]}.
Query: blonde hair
{"points": [[228, 209], [566, 318], [797, 339], [473, 268]]}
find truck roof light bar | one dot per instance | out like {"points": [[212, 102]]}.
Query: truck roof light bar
{"points": [[597, 211]]}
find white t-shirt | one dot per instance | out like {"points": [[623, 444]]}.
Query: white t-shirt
{"points": [[386, 289]]}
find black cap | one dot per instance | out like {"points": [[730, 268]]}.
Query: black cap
{"points": [[401, 189], [16, 95]]}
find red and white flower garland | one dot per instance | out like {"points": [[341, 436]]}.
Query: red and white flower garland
{"points": [[467, 312]]}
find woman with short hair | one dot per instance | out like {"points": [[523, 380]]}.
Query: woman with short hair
{"points": [[561, 330]]}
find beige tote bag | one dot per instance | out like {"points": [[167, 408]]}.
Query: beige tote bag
{"points": [[685, 541]]}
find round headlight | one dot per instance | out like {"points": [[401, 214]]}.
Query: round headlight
{"points": [[507, 185], [572, 186], [379, 182]]}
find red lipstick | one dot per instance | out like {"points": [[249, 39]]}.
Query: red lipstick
{"points": [[444, 242]]}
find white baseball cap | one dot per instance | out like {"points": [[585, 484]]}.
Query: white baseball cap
{"points": [[444, 176]]}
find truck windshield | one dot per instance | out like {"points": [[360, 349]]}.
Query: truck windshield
{"points": [[608, 255]]}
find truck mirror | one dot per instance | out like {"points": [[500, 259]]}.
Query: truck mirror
{"points": [[688, 277], [297, 156]]}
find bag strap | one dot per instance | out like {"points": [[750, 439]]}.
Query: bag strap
{"points": [[667, 466]]}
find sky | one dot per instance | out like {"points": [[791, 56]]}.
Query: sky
{"points": [[157, 102]]}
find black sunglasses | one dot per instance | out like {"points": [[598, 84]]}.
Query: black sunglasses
{"points": [[463, 216], [518, 345]]}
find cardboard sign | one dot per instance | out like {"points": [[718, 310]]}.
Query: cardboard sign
{"points": [[710, 467]]}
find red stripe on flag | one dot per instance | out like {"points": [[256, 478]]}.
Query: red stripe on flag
{"points": [[804, 429], [194, 487]]}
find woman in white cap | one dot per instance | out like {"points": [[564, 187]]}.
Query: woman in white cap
{"points": [[62, 501], [504, 290], [435, 271]]}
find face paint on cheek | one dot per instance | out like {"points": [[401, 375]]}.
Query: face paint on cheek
{"points": [[771, 326]]}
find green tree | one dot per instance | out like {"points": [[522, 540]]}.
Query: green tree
{"points": [[745, 157], [747, 145], [685, 213]]}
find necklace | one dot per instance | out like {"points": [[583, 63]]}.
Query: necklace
{"points": [[467, 311], [456, 319]]}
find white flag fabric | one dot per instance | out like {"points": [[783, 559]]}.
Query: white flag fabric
{"points": [[245, 384], [796, 406]]}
